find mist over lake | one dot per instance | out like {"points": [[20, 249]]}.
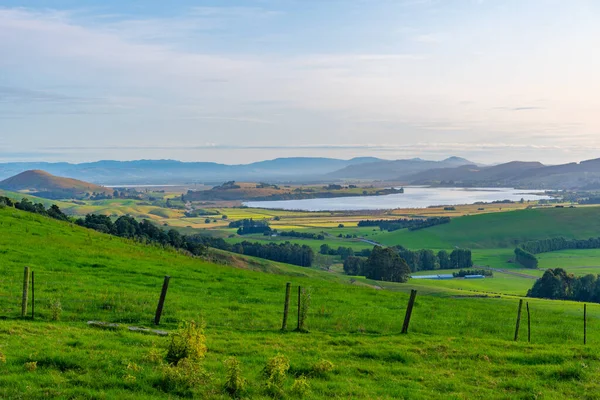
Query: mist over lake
{"points": [[413, 197]]}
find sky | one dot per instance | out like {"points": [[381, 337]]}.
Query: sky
{"points": [[236, 81]]}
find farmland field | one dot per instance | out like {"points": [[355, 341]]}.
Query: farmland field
{"points": [[452, 336]]}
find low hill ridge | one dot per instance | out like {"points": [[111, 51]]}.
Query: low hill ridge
{"points": [[44, 184]]}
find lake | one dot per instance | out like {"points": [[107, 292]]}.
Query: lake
{"points": [[413, 197]]}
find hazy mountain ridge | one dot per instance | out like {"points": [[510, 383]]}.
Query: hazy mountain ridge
{"points": [[517, 173], [170, 171], [394, 169]]}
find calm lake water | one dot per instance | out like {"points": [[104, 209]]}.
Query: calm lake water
{"points": [[413, 197]]}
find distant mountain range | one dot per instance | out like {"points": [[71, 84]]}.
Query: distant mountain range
{"points": [[451, 171], [534, 175], [177, 172]]}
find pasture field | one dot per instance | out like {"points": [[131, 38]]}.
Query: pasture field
{"points": [[453, 337], [499, 230]]}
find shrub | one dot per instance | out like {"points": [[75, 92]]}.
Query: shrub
{"points": [[322, 368], [275, 371], [183, 377], [235, 383], [2, 358], [55, 309], [304, 308], [154, 355], [188, 342], [30, 366], [300, 387]]}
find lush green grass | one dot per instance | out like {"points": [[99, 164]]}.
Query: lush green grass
{"points": [[501, 230], [459, 346]]}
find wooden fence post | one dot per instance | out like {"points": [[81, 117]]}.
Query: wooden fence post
{"points": [[585, 324], [299, 306], [286, 306], [32, 294], [409, 308], [528, 325], [518, 320], [25, 292], [161, 301]]}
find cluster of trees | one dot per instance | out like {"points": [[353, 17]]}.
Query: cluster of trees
{"points": [[145, 231], [38, 208], [385, 264], [403, 223], [379, 265], [559, 243], [343, 252], [558, 284], [303, 235], [525, 258], [427, 260], [287, 252], [464, 272], [525, 253], [250, 226]]}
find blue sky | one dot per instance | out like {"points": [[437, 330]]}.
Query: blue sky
{"points": [[239, 81]]}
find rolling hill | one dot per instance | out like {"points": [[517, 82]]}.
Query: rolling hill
{"points": [[43, 184], [502, 230], [354, 326]]}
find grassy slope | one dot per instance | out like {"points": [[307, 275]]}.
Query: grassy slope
{"points": [[453, 339], [502, 229]]}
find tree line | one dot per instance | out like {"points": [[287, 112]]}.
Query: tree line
{"points": [[559, 243], [343, 252], [427, 260], [303, 235], [525, 258], [558, 284], [38, 208], [249, 226], [380, 265], [404, 223], [525, 252]]}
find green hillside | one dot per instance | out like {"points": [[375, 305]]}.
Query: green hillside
{"points": [[498, 230], [458, 347]]}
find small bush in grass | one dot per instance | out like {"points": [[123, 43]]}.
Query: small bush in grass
{"points": [[322, 368], [301, 387], [275, 371], [30, 366], [188, 342], [304, 308], [154, 355], [2, 358], [235, 383], [183, 377], [55, 309]]}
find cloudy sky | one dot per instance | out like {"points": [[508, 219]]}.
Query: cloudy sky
{"points": [[236, 81]]}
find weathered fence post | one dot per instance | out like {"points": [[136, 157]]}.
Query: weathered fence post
{"points": [[518, 320], [409, 308], [299, 307], [585, 324], [25, 292], [32, 294], [161, 301], [286, 306], [528, 325]]}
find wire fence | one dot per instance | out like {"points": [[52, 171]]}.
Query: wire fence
{"points": [[258, 305]]}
